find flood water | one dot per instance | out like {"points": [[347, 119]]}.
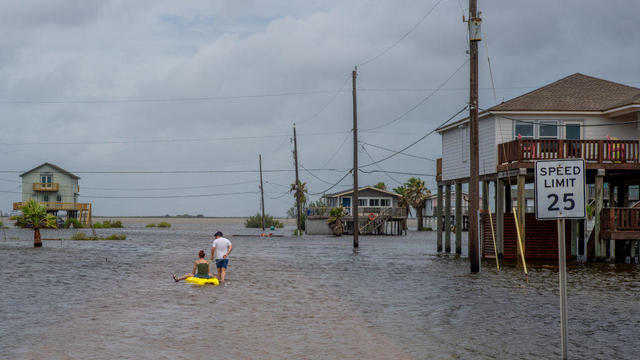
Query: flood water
{"points": [[299, 298]]}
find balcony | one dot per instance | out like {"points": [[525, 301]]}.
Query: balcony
{"points": [[606, 154], [51, 206], [46, 186]]}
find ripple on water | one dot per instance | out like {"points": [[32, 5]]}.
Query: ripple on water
{"points": [[309, 297]]}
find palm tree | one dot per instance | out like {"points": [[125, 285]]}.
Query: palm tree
{"points": [[417, 194], [299, 190], [381, 185], [404, 197], [34, 215]]}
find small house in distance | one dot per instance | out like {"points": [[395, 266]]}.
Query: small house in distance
{"points": [[378, 212], [57, 189]]}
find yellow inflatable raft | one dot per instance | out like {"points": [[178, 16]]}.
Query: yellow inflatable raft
{"points": [[200, 281]]}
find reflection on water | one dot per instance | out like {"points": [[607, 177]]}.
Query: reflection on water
{"points": [[309, 297]]}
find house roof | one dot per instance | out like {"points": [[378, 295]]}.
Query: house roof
{"points": [[574, 93], [53, 166], [577, 92], [359, 190]]}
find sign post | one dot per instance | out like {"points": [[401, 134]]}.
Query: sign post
{"points": [[560, 194]]}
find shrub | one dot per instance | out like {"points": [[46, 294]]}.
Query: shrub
{"points": [[298, 233], [164, 224], [107, 224], [150, 225], [256, 221], [73, 222], [82, 236], [428, 228]]}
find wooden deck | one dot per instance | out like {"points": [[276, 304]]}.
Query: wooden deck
{"points": [[598, 154], [620, 223]]}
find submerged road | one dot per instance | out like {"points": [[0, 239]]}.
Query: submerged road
{"points": [[304, 298]]}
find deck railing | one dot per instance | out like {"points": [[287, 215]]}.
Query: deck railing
{"points": [[46, 186], [620, 219], [595, 151], [362, 211], [59, 206]]}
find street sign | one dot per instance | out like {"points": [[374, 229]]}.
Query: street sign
{"points": [[560, 190]]}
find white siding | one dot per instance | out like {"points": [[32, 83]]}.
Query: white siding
{"points": [[455, 150]]}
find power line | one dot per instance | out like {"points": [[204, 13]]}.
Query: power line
{"points": [[327, 104], [403, 36], [334, 185], [401, 153], [380, 167], [170, 188], [167, 196], [337, 150], [422, 101], [396, 172], [417, 141], [532, 122], [147, 141], [180, 171], [314, 175]]}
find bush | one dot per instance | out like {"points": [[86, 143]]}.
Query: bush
{"points": [[428, 228], [73, 222], [164, 224], [107, 224], [298, 233], [82, 236], [256, 221], [150, 225]]}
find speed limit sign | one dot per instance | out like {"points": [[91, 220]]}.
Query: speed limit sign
{"points": [[560, 190]]}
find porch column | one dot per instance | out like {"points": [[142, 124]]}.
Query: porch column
{"points": [[447, 218], [458, 218], [500, 217], [596, 228], [521, 209], [439, 218]]}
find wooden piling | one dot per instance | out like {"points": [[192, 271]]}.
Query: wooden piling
{"points": [[447, 218], [458, 218]]}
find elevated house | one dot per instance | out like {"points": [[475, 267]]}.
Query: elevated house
{"points": [[57, 189], [378, 212], [578, 116]]}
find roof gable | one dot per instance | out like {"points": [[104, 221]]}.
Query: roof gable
{"points": [[347, 192], [577, 92], [53, 166]]}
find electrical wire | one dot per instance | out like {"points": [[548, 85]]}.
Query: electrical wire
{"points": [[337, 151], [417, 141], [401, 153], [334, 185], [314, 175], [395, 172], [532, 122], [422, 101], [169, 188], [182, 171], [167, 196], [327, 104], [148, 141], [380, 167], [403, 36]]}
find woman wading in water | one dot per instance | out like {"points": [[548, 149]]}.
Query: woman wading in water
{"points": [[200, 269]]}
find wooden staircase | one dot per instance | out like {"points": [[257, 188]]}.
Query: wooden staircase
{"points": [[374, 225]]}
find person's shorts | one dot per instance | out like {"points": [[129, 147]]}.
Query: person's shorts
{"points": [[222, 263], [199, 276]]}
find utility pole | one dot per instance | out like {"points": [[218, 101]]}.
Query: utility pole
{"points": [[297, 187], [261, 190], [354, 205], [474, 37]]}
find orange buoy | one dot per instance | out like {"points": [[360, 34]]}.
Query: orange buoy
{"points": [[372, 216]]}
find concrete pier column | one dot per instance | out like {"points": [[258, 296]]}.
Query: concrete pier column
{"points": [[522, 208], [439, 218], [485, 195], [599, 248], [500, 217], [447, 218], [458, 218]]}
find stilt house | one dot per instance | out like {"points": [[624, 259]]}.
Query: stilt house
{"points": [[578, 116]]}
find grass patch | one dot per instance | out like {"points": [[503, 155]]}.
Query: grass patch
{"points": [[164, 224], [82, 236], [150, 225], [428, 228], [107, 224]]}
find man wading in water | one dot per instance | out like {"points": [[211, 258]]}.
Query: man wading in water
{"points": [[221, 248]]}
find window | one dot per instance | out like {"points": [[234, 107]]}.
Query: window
{"points": [[59, 198], [362, 202], [572, 132], [524, 130], [46, 198], [548, 130], [374, 202], [385, 202]]}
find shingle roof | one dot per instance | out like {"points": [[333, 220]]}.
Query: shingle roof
{"points": [[577, 92], [53, 166]]}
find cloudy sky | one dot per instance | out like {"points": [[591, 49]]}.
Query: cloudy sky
{"points": [[102, 88]]}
